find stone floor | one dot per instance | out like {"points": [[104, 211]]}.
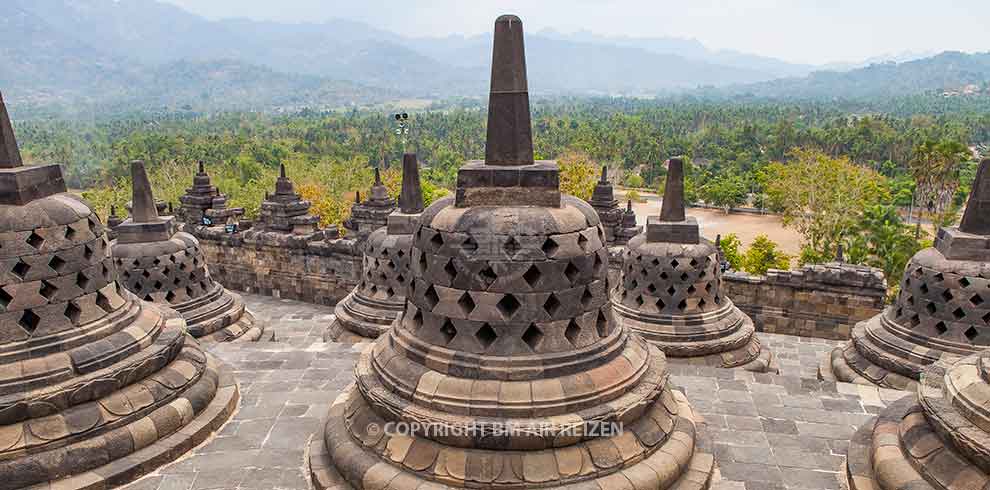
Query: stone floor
{"points": [[784, 432]]}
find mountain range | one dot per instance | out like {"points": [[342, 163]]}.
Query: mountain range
{"points": [[144, 53]]}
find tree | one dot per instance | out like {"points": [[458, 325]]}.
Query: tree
{"points": [[578, 175], [730, 249], [725, 191], [823, 197], [764, 255], [935, 168], [882, 241]]}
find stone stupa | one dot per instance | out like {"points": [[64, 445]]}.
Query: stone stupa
{"points": [[941, 312], [627, 226], [99, 387], [606, 205], [507, 356], [380, 296], [670, 291], [160, 264], [204, 205], [373, 213], [939, 440]]}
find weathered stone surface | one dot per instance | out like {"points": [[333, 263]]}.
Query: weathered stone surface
{"points": [[204, 205], [976, 218], [507, 352], [163, 266], [98, 387], [510, 133], [941, 312], [411, 197], [672, 209], [372, 214]]}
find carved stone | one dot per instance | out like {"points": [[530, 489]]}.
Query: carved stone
{"points": [[99, 387], [204, 200], [937, 441], [941, 312], [670, 292], [372, 214], [507, 355], [164, 266], [380, 296]]}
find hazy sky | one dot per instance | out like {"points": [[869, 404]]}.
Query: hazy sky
{"points": [[806, 31]]}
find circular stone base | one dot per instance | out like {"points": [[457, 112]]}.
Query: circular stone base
{"points": [[838, 366], [161, 451], [245, 329], [364, 317], [764, 362], [657, 471]]}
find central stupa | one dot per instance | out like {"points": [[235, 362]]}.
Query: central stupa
{"points": [[507, 367]]}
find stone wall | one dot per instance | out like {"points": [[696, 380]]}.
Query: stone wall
{"points": [[823, 301], [320, 272]]}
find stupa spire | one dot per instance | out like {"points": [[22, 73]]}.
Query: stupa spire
{"points": [[673, 194], [142, 201], [281, 170], [604, 179], [411, 196], [10, 155], [976, 219], [510, 132], [378, 176], [202, 168]]}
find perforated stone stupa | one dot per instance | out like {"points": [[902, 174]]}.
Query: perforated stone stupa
{"points": [[165, 266], [671, 291], [204, 200], [98, 387], [941, 312], [379, 299], [937, 441], [287, 213], [372, 214], [507, 356]]}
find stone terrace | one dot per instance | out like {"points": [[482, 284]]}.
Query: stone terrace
{"points": [[769, 432]]}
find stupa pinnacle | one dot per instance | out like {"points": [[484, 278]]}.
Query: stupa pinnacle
{"points": [[507, 353], [10, 154]]}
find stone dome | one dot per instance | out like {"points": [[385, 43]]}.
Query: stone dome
{"points": [[98, 386]]}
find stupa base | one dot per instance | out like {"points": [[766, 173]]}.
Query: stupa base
{"points": [[220, 317], [683, 462], [355, 319]]}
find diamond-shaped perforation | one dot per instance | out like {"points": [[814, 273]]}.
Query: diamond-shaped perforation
{"points": [[469, 245], [88, 253], [508, 306], [82, 281], [915, 320], [552, 305], [21, 269], [448, 330], [923, 288], [466, 304], [532, 276], [35, 240], [436, 241], [57, 264], [931, 308], [977, 300], [582, 242], [417, 320], [572, 332], [572, 272], [488, 276], [511, 246], [971, 333], [639, 300], [72, 312], [486, 336], [660, 304], [533, 337], [431, 297], [450, 270], [938, 277], [947, 295], [959, 313], [598, 264], [29, 321], [550, 247], [682, 305], [702, 303], [671, 291], [423, 263], [964, 282], [601, 325], [170, 296], [48, 290], [941, 328], [587, 298], [674, 263], [5, 299]]}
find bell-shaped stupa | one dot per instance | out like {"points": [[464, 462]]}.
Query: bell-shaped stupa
{"points": [[507, 363], [670, 291], [160, 264], [380, 296], [372, 213], [942, 310], [96, 387], [939, 440]]}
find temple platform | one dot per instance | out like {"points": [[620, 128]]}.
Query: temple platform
{"points": [[787, 432]]}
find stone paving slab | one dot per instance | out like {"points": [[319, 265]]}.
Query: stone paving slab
{"points": [[786, 432]]}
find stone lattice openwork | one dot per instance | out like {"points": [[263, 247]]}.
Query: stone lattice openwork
{"points": [[380, 296], [942, 310], [507, 356], [98, 387], [204, 205], [372, 214], [671, 292], [165, 266], [939, 440]]}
